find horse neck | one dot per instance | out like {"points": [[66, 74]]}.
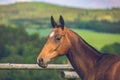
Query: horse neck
{"points": [[81, 55]]}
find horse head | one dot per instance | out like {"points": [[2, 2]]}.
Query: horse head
{"points": [[57, 43]]}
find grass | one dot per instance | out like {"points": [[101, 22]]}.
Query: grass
{"points": [[96, 39]]}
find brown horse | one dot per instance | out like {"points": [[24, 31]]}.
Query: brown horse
{"points": [[87, 62]]}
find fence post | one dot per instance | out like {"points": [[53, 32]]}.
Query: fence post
{"points": [[69, 75]]}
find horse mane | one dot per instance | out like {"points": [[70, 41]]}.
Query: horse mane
{"points": [[86, 42]]}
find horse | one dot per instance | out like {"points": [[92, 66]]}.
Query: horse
{"points": [[89, 63]]}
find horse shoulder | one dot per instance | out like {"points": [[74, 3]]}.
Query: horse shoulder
{"points": [[107, 67], [118, 71], [113, 72]]}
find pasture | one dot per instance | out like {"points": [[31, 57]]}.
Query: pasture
{"points": [[96, 39]]}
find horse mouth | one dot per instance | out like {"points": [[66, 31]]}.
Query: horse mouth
{"points": [[43, 65]]}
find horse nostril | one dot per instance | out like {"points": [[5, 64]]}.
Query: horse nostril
{"points": [[41, 61]]}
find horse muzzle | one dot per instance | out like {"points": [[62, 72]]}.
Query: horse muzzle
{"points": [[41, 63]]}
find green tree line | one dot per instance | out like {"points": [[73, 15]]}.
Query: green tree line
{"points": [[98, 26], [16, 41], [111, 48], [95, 25]]}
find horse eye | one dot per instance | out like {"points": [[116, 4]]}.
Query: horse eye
{"points": [[58, 37]]}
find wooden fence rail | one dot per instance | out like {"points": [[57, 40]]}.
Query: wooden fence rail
{"points": [[64, 74], [69, 74], [34, 66]]}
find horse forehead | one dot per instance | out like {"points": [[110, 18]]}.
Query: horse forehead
{"points": [[52, 34], [55, 31]]}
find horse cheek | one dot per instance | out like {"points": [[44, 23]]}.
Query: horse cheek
{"points": [[63, 50]]}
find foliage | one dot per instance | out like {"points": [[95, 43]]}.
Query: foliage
{"points": [[17, 41], [112, 48], [98, 26]]}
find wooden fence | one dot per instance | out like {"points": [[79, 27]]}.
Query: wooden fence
{"points": [[68, 71]]}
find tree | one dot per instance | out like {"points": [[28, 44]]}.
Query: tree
{"points": [[112, 48]]}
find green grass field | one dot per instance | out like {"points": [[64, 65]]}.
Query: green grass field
{"points": [[96, 39]]}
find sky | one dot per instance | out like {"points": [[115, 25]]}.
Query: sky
{"points": [[93, 4]]}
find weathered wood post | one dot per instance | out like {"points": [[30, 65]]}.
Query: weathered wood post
{"points": [[70, 75]]}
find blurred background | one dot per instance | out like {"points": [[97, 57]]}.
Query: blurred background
{"points": [[24, 25]]}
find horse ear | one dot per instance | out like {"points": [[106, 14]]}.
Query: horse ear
{"points": [[53, 22], [61, 20]]}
